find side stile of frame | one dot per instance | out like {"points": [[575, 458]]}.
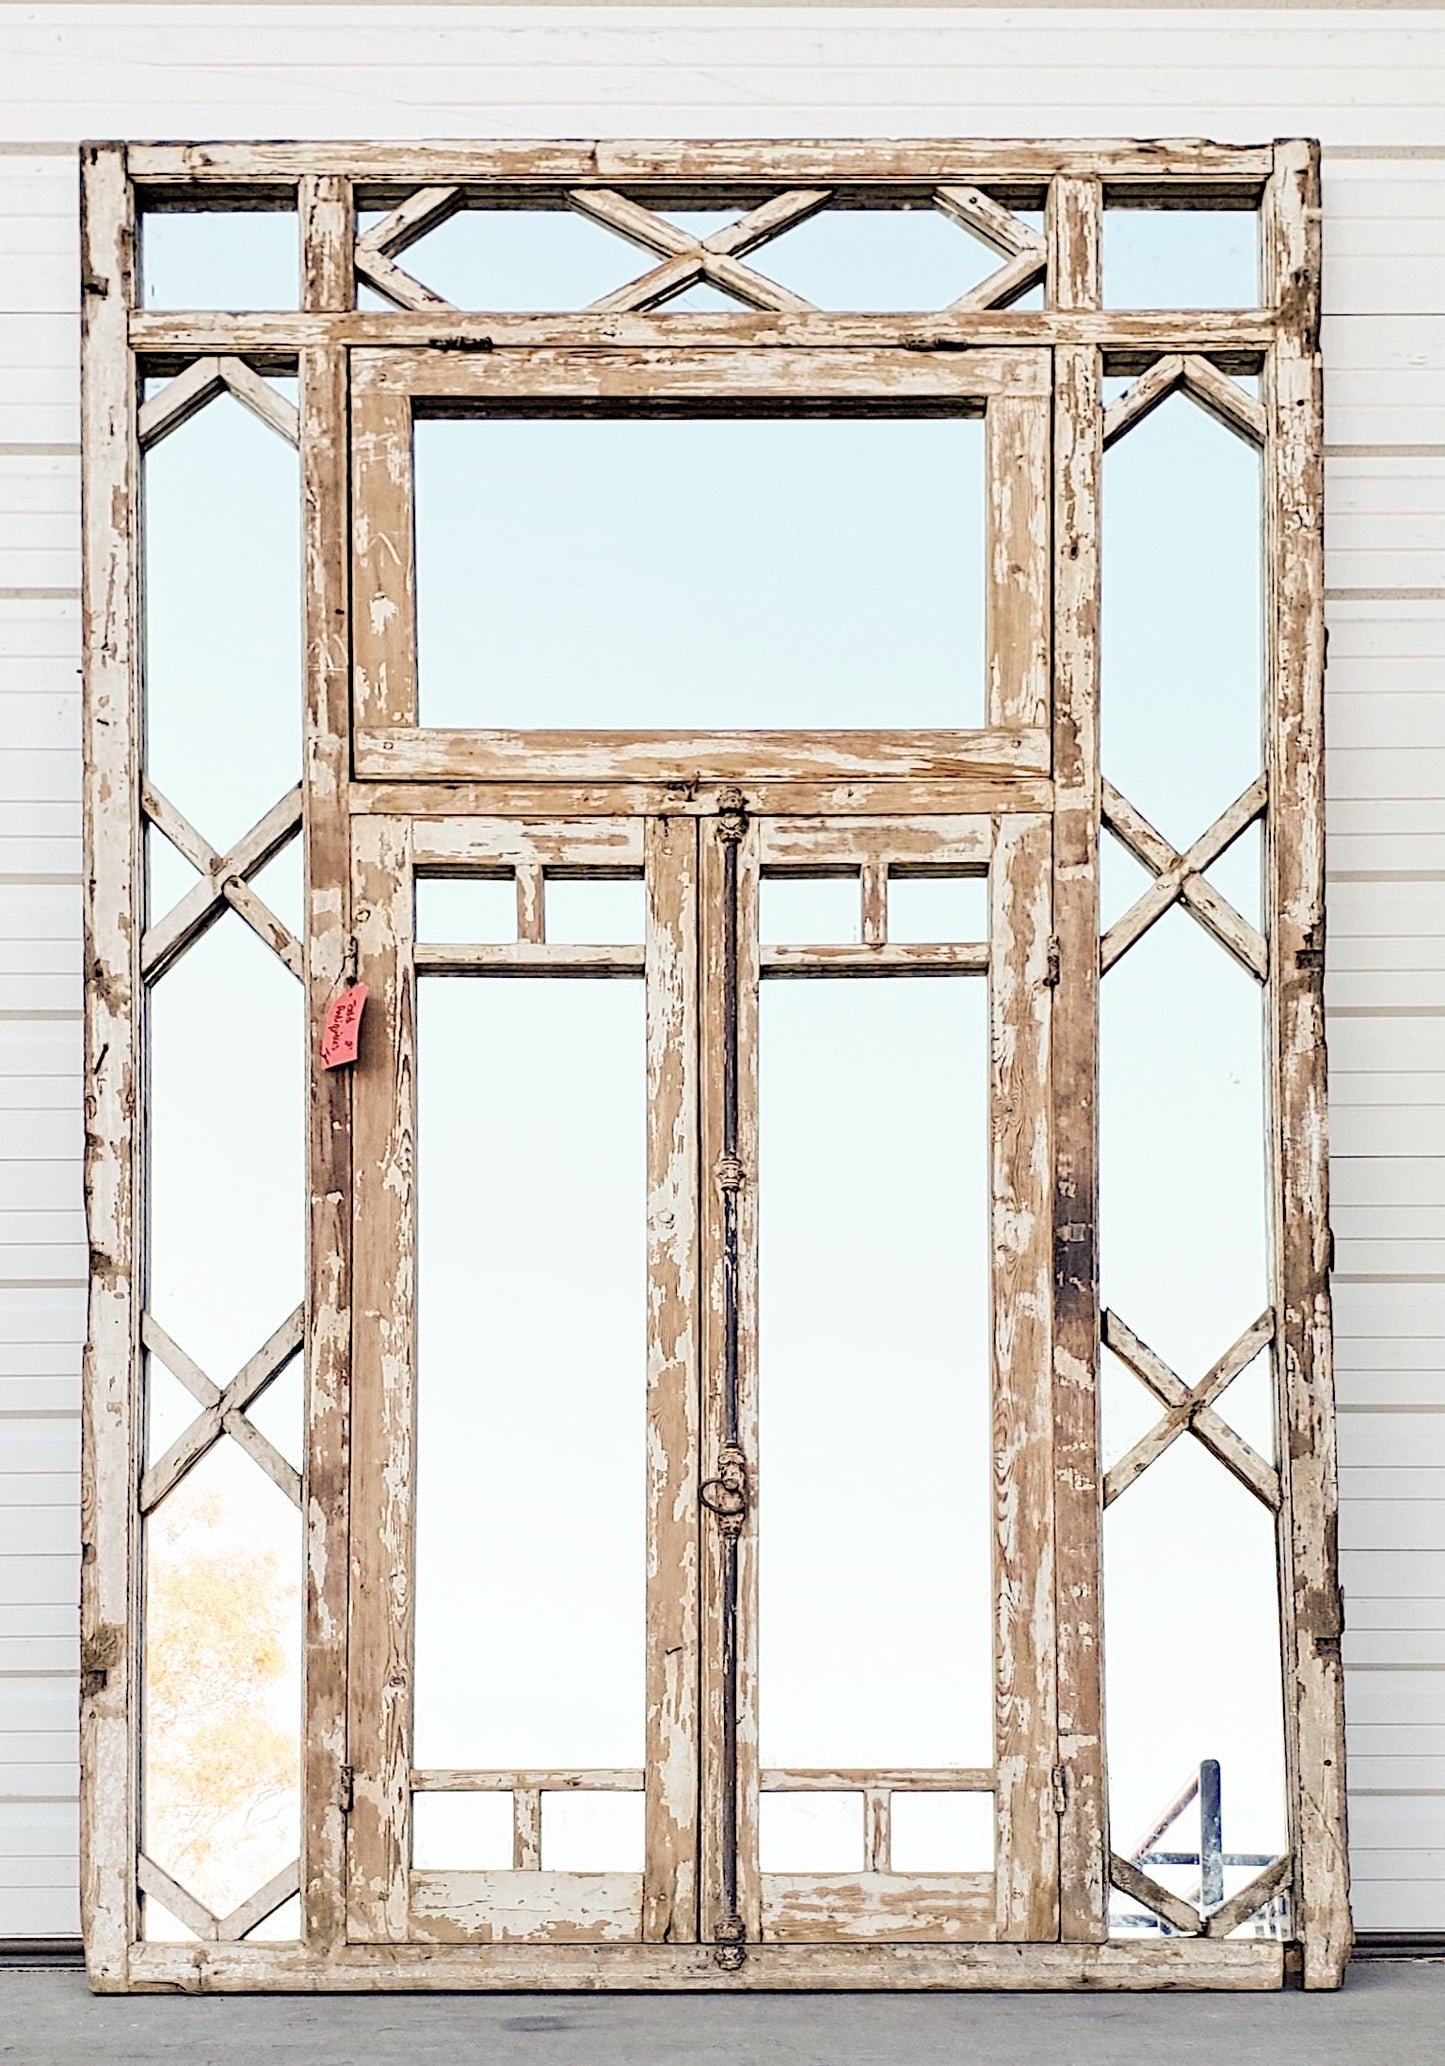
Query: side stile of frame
{"points": [[384, 553], [326, 242], [383, 1401], [1020, 995], [111, 1655], [1075, 236], [1311, 1614]]}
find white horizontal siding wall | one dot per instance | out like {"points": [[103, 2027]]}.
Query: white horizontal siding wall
{"points": [[1371, 83]]}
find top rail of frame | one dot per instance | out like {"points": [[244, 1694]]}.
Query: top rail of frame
{"points": [[1138, 169]]}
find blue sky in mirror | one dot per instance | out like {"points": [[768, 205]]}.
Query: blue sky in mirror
{"points": [[708, 597], [1181, 258], [239, 259]]}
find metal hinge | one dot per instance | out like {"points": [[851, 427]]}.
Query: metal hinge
{"points": [[1059, 1780], [346, 1789]]}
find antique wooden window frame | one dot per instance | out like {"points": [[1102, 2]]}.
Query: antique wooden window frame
{"points": [[370, 765]]}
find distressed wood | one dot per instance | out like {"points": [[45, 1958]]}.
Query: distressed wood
{"points": [[223, 1411], [1164, 1963], [406, 753], [1192, 1410], [532, 1779], [1180, 878], [1025, 1726], [225, 883], [713, 258], [424, 802], [891, 844], [1074, 226], [326, 216], [1134, 338], [1019, 571], [877, 958], [190, 391], [834, 1907], [112, 1417], [1149, 1894], [475, 841], [527, 958], [377, 247], [383, 600], [670, 1891], [383, 1405], [527, 1907], [1310, 1611], [1187, 373]]}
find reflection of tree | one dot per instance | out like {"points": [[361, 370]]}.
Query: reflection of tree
{"points": [[221, 1774]]}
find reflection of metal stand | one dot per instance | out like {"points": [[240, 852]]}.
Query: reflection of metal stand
{"points": [[1211, 1858], [727, 1494]]}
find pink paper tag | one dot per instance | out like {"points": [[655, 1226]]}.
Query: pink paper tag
{"points": [[342, 1030]]}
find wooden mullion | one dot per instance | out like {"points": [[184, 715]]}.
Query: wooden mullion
{"points": [[1026, 1733], [328, 284], [112, 1419], [1019, 575], [1074, 225], [670, 1886], [383, 605], [1311, 1617], [379, 1678]]}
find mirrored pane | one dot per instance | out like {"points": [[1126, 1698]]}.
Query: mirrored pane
{"points": [[461, 1832], [281, 886], [1238, 874], [597, 913], [592, 1832], [810, 1832], [874, 1307], [877, 258], [1192, 1662], [170, 1408], [1181, 258], [222, 619], [280, 1412], [522, 258], [1248, 1404], [684, 573], [1183, 1245], [936, 908], [480, 909], [230, 259], [227, 1143], [530, 1437], [222, 1683], [807, 910], [169, 875], [282, 1927], [1180, 691], [942, 1832]]}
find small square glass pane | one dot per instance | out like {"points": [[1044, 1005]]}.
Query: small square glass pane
{"points": [[592, 1832], [934, 909], [220, 258], [588, 912], [942, 1832], [811, 1832], [1181, 258], [461, 1832], [809, 911], [466, 909]]}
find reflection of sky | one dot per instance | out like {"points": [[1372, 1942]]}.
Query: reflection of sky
{"points": [[820, 573]]}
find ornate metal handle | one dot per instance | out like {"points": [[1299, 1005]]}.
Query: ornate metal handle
{"points": [[726, 1495]]}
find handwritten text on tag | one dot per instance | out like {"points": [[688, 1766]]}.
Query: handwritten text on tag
{"points": [[342, 1030]]}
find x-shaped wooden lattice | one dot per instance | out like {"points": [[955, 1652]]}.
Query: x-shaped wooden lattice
{"points": [[223, 1411], [714, 259], [1191, 1411], [225, 883], [1179, 878]]}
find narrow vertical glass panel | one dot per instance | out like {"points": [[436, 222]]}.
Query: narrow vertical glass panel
{"points": [[942, 1832], [1182, 1222], [1181, 258], [809, 910], [481, 909], [874, 1374], [1192, 1659], [232, 258], [934, 908], [227, 1142], [1238, 874], [531, 1373], [1180, 693], [221, 1806], [592, 1832], [689, 573], [810, 1832], [522, 258], [461, 1832], [170, 1408], [877, 258], [595, 912], [222, 619]]}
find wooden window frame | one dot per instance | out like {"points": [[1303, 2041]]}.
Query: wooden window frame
{"points": [[1053, 757]]}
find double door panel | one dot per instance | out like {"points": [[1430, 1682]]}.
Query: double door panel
{"points": [[702, 1581]]}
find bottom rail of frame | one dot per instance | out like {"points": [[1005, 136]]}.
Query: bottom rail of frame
{"points": [[1166, 1963]]}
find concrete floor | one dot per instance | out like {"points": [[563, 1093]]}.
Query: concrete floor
{"points": [[1389, 2014]]}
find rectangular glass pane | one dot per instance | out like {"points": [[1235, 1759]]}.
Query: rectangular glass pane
{"points": [[461, 1832], [593, 912], [810, 1832], [220, 258], [931, 909], [1181, 258], [810, 911], [592, 1832], [875, 1556], [474, 910], [684, 574], [942, 1832], [531, 1373]]}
